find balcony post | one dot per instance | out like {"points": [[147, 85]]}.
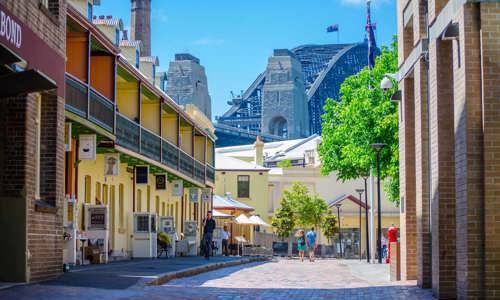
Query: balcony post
{"points": [[140, 115], [179, 141], [89, 62]]}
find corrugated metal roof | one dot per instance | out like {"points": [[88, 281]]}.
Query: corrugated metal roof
{"points": [[129, 43], [118, 23], [151, 59], [228, 203]]}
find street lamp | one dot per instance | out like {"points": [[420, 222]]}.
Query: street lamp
{"points": [[365, 178], [360, 192], [377, 147], [338, 205]]}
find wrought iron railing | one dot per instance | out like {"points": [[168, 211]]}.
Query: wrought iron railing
{"points": [[210, 173], [170, 155], [127, 133], [101, 111], [199, 171], [150, 144], [76, 96], [186, 163]]}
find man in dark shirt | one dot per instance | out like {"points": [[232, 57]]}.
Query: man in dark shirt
{"points": [[208, 230]]}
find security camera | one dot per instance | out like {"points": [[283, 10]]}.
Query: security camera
{"points": [[386, 84]]}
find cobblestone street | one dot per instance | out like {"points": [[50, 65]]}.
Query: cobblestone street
{"points": [[278, 279]]}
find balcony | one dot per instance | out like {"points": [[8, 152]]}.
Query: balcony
{"points": [[132, 136], [84, 101]]}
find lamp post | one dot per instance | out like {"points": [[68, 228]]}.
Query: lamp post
{"points": [[365, 178], [360, 192], [377, 147], [337, 205]]}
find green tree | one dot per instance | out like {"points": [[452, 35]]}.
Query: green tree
{"points": [[286, 163], [329, 225], [362, 116], [284, 219], [310, 211]]}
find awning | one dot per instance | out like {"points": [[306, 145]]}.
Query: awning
{"points": [[258, 221], [218, 214], [227, 203], [243, 220]]}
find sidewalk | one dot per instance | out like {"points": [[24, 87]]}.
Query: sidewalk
{"points": [[125, 274]]}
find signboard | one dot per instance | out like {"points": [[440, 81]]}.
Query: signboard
{"points": [[87, 149], [190, 229], [67, 137], [206, 195], [141, 174], [167, 224], [111, 164], [97, 218], [161, 182], [193, 194], [177, 188]]}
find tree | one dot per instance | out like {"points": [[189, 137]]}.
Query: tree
{"points": [[284, 219], [286, 163], [362, 116], [310, 211], [329, 225]]}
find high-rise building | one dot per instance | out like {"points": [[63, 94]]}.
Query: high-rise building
{"points": [[141, 24]]}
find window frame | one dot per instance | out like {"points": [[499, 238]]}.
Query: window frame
{"points": [[240, 191]]}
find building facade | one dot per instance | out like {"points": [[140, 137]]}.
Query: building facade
{"points": [[31, 143], [448, 77]]}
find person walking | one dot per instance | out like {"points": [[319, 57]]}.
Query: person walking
{"points": [[311, 243], [225, 240], [301, 244], [208, 230]]}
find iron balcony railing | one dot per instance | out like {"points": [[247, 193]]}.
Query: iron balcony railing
{"points": [[132, 136], [210, 173], [89, 104], [199, 171]]}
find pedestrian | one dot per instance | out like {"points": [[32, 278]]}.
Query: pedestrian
{"points": [[311, 243], [225, 240], [208, 230], [301, 244]]}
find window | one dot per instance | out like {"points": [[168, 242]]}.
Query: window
{"points": [[243, 186], [117, 37], [163, 209], [139, 200], [154, 72], [142, 223], [90, 11], [121, 207], [137, 58], [50, 8], [88, 189], [97, 193], [105, 194]]}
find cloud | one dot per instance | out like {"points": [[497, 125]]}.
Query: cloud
{"points": [[362, 2], [208, 41]]}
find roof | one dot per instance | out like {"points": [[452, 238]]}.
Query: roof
{"points": [[151, 59], [228, 203], [218, 214], [274, 151], [129, 43], [347, 197], [108, 21], [229, 163]]}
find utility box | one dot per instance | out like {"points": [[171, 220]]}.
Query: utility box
{"points": [[144, 238], [97, 232]]}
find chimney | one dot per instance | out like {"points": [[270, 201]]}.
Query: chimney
{"points": [[109, 17], [141, 24], [101, 17], [259, 151]]}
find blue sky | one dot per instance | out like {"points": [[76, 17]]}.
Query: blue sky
{"points": [[234, 38]]}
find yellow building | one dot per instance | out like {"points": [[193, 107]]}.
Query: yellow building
{"points": [[124, 136]]}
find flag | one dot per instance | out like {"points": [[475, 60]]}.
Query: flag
{"points": [[332, 28]]}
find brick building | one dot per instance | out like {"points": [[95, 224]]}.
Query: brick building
{"points": [[449, 131], [31, 138]]}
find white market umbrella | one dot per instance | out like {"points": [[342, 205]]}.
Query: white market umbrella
{"points": [[258, 221], [243, 220]]}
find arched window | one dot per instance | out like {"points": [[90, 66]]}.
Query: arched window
{"points": [[278, 126]]}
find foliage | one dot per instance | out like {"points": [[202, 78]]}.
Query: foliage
{"points": [[300, 208], [329, 225], [363, 116], [286, 163], [164, 237]]}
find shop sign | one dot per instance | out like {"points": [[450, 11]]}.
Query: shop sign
{"points": [[161, 182], [177, 188], [97, 218], [141, 174], [111, 164], [206, 195], [10, 30], [193, 194], [87, 149]]}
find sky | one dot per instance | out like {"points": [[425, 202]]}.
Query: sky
{"points": [[234, 38]]}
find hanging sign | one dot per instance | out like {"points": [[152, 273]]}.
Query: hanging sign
{"points": [[67, 137], [193, 194], [177, 188], [161, 182], [141, 174], [206, 194], [87, 149], [111, 164]]}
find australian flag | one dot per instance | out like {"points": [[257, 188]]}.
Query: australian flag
{"points": [[372, 46], [332, 28]]}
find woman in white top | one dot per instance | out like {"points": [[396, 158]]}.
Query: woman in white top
{"points": [[225, 240]]}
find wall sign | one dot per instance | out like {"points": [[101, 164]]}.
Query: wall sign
{"points": [[177, 188], [111, 164], [141, 174], [193, 194], [97, 218], [161, 182], [10, 30], [87, 149], [206, 195]]}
